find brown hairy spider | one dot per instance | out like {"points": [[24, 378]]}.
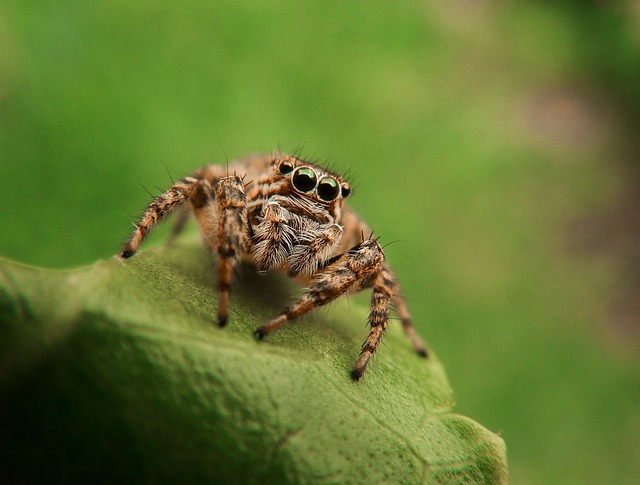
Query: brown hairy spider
{"points": [[291, 216]]}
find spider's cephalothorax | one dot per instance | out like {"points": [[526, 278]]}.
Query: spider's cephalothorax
{"points": [[289, 216]]}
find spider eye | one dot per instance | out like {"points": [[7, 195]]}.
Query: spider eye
{"points": [[328, 189], [305, 179], [286, 166], [346, 190]]}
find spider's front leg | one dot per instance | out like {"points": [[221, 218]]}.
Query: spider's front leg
{"points": [[158, 210], [221, 213], [384, 284], [350, 272]]}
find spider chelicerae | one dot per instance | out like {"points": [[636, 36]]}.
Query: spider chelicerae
{"points": [[290, 216]]}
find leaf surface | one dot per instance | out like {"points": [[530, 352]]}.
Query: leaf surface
{"points": [[116, 371]]}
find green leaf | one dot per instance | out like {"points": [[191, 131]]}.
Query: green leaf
{"points": [[116, 372]]}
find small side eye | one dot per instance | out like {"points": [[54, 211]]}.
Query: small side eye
{"points": [[328, 189], [286, 166], [305, 179], [346, 190]]}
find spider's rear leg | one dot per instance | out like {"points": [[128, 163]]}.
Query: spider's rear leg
{"points": [[403, 313], [221, 213], [179, 225], [159, 209]]}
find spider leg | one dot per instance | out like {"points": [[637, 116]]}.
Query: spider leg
{"points": [[179, 225], [222, 215], [385, 290], [403, 313], [378, 320], [157, 211], [350, 272]]}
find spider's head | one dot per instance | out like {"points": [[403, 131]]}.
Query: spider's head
{"points": [[313, 181]]}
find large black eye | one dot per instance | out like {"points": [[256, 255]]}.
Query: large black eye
{"points": [[328, 189], [346, 190], [305, 179], [286, 166]]}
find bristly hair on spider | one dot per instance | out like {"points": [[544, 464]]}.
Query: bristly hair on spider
{"points": [[292, 217]]}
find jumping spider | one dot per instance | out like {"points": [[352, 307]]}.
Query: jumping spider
{"points": [[290, 216]]}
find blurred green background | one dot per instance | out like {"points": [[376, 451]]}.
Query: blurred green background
{"points": [[496, 142]]}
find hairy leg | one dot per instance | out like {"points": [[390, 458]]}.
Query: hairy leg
{"points": [[385, 291], [158, 210], [397, 299], [378, 320], [350, 272], [221, 212], [179, 225]]}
